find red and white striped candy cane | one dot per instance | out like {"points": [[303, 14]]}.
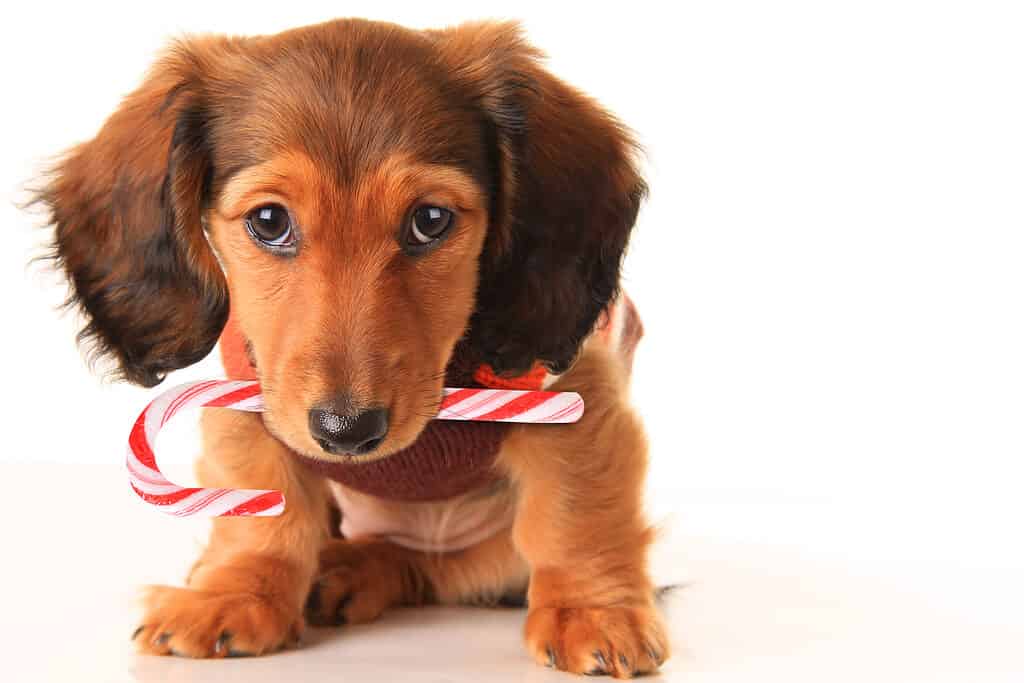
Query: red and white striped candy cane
{"points": [[509, 405], [491, 405]]}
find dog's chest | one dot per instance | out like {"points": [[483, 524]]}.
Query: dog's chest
{"points": [[439, 526]]}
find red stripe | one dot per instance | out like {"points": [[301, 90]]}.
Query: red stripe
{"points": [[564, 411], [254, 505], [186, 396], [457, 396], [165, 498], [172, 407], [140, 445], [467, 409], [189, 396], [203, 502], [138, 475], [233, 397], [518, 406]]}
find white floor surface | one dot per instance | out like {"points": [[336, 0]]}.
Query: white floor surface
{"points": [[79, 544]]}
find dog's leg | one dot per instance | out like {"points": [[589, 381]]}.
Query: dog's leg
{"points": [[361, 578], [245, 594], [581, 527]]}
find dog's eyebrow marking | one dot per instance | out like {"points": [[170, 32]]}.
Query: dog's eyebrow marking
{"points": [[247, 185], [283, 178], [419, 178]]}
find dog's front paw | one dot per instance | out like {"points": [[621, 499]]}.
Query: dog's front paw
{"points": [[359, 580], [619, 641], [349, 595], [203, 623]]}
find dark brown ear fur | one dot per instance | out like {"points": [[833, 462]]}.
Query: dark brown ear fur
{"points": [[566, 197], [126, 212]]}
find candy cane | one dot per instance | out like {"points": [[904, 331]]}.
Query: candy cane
{"points": [[491, 405]]}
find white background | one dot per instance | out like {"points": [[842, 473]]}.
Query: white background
{"points": [[829, 267]]}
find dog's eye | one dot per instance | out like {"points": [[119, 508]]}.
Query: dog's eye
{"points": [[271, 225], [428, 224]]}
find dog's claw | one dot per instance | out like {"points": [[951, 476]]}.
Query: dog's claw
{"points": [[624, 664], [162, 639], [339, 614], [601, 668], [222, 642], [313, 600], [552, 660], [135, 634]]}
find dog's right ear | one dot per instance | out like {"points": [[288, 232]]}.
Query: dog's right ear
{"points": [[565, 190], [126, 209]]}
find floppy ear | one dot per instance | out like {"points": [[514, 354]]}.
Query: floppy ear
{"points": [[126, 209], [566, 195]]}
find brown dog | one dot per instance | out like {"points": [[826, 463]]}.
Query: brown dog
{"points": [[387, 211]]}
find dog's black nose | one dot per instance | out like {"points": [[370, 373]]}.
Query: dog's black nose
{"points": [[340, 433]]}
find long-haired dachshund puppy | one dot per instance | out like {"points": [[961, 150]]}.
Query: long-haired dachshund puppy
{"points": [[384, 212]]}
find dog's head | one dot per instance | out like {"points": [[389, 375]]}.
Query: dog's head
{"points": [[364, 197]]}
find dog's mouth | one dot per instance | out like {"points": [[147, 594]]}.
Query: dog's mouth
{"points": [[384, 420], [371, 435], [341, 432]]}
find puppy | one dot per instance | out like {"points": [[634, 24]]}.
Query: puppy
{"points": [[363, 214]]}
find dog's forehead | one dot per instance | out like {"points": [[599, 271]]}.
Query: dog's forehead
{"points": [[351, 95]]}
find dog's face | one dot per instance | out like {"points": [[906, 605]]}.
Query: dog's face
{"points": [[363, 197], [351, 293]]}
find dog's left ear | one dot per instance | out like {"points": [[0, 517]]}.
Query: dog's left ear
{"points": [[566, 193], [126, 210]]}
